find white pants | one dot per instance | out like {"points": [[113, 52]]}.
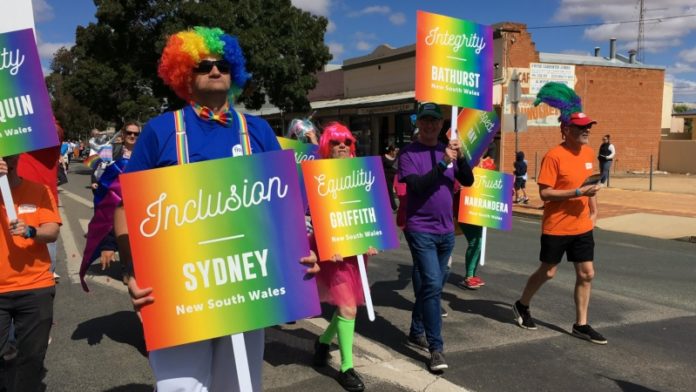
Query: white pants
{"points": [[206, 366]]}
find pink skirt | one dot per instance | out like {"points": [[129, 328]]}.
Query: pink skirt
{"points": [[339, 283]]}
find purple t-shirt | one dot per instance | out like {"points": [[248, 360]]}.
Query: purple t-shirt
{"points": [[431, 211]]}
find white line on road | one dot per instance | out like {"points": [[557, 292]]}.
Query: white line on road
{"points": [[77, 198]]}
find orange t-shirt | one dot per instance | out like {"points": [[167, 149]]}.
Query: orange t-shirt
{"points": [[25, 263], [562, 169]]}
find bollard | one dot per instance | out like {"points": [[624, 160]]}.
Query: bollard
{"points": [[651, 171]]}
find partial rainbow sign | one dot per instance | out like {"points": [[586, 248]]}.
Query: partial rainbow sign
{"points": [[488, 202], [303, 152], [454, 62], [476, 130], [220, 252], [349, 205], [26, 119]]}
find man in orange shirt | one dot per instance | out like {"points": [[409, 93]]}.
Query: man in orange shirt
{"points": [[27, 286], [570, 213]]}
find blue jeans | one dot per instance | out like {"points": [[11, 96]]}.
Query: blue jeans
{"points": [[430, 253], [604, 166]]}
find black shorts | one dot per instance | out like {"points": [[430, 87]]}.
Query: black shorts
{"points": [[578, 248], [520, 183]]}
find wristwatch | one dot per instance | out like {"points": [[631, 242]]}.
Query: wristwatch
{"points": [[30, 232]]}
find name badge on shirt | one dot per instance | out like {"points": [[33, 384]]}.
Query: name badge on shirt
{"points": [[588, 165], [237, 151], [26, 209]]}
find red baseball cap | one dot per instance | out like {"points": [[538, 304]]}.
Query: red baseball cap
{"points": [[581, 119]]}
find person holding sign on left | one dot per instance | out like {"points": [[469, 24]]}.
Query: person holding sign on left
{"points": [[339, 279], [205, 67], [27, 287]]}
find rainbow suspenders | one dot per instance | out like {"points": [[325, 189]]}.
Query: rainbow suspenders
{"points": [[182, 153]]}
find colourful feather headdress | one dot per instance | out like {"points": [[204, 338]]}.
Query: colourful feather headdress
{"points": [[185, 49], [561, 97]]}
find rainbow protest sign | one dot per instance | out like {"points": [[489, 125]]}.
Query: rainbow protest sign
{"points": [[476, 130], [303, 152], [488, 202], [26, 119], [220, 252], [349, 205], [454, 62]]}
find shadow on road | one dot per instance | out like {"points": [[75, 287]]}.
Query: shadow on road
{"points": [[627, 386], [121, 327]]}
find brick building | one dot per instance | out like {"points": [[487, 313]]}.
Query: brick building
{"points": [[374, 94], [623, 96]]}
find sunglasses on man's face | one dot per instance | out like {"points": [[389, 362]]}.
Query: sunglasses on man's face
{"points": [[346, 142], [206, 66], [130, 133]]}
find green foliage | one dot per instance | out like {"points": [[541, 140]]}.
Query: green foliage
{"points": [[110, 75], [680, 108]]}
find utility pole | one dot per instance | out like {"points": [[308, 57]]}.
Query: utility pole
{"points": [[514, 97], [641, 35]]}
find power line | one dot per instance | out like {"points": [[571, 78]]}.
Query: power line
{"points": [[609, 23]]}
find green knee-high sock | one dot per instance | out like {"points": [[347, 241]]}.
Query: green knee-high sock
{"points": [[330, 332], [346, 328]]}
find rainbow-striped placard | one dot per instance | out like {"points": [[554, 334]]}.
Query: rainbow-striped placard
{"points": [[26, 119], [476, 130], [303, 152], [221, 251], [349, 205], [454, 62], [488, 202]]}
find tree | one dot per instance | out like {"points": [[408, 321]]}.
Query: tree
{"points": [[114, 61]]}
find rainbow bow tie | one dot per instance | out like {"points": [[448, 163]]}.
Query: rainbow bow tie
{"points": [[223, 117]]}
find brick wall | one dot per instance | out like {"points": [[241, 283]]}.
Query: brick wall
{"points": [[626, 103]]}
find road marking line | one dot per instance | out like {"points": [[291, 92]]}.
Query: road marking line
{"points": [[84, 223], [77, 198]]}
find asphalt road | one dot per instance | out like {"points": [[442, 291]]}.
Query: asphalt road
{"points": [[642, 301]]}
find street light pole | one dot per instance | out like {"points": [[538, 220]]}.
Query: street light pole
{"points": [[514, 95]]}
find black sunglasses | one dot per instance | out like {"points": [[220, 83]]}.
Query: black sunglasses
{"points": [[335, 143], [129, 133], [206, 66]]}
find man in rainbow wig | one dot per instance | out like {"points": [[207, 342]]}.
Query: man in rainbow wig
{"points": [[206, 68]]}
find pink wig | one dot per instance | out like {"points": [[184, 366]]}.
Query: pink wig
{"points": [[186, 49], [338, 132]]}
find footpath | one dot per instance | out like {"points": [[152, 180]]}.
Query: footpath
{"points": [[628, 206]]}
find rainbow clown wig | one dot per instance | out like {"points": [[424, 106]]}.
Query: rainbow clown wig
{"points": [[185, 49], [335, 131]]}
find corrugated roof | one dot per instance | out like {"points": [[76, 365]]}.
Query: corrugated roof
{"points": [[372, 99], [579, 59]]}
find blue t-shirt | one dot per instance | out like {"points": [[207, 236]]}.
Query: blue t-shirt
{"points": [[156, 146]]}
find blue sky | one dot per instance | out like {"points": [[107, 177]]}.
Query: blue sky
{"points": [[358, 26]]}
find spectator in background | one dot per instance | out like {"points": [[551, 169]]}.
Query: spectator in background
{"points": [[607, 152], [520, 178], [389, 164]]}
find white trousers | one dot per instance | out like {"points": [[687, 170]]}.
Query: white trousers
{"points": [[207, 366]]}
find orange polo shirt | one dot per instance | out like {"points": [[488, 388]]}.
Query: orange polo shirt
{"points": [[25, 263], [563, 169]]}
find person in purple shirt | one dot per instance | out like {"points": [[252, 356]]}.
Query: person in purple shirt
{"points": [[429, 169]]}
